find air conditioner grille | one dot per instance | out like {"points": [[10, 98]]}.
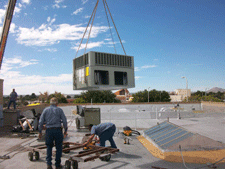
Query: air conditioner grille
{"points": [[81, 61], [113, 60]]}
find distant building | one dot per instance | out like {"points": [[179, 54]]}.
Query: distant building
{"points": [[123, 95], [179, 95], [70, 100]]}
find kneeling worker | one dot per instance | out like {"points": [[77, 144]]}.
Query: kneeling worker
{"points": [[52, 117], [104, 131]]}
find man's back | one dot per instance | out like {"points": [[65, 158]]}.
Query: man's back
{"points": [[100, 128], [13, 96], [53, 116]]}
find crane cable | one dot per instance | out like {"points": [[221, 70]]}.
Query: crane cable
{"points": [[115, 27], [94, 10], [92, 19], [91, 26], [109, 26]]}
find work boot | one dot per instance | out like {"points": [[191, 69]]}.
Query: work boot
{"points": [[49, 167], [60, 167]]}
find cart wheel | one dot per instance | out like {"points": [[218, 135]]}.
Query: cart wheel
{"points": [[102, 158], [30, 156], [36, 155], [74, 164], [108, 157], [67, 164], [67, 146]]}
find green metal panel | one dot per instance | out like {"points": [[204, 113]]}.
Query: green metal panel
{"points": [[106, 71]]}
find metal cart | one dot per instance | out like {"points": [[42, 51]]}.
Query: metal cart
{"points": [[92, 152]]}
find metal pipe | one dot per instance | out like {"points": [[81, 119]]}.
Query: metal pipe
{"points": [[91, 152]]}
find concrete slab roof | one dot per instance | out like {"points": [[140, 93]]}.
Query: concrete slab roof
{"points": [[133, 156]]}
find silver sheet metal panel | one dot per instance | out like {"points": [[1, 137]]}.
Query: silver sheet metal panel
{"points": [[166, 134], [103, 71]]}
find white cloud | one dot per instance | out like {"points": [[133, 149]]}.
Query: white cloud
{"points": [[84, 1], [137, 69], [144, 67], [16, 62], [12, 28], [49, 49], [53, 34], [50, 21], [57, 4], [2, 15], [58, 1], [137, 77], [87, 16], [89, 46], [77, 11], [20, 5], [17, 10], [148, 66], [27, 84], [45, 8], [26, 1]]}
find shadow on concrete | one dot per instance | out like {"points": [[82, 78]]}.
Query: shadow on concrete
{"points": [[120, 156], [170, 165], [111, 162], [125, 155]]}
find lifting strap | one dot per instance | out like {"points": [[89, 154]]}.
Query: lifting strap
{"points": [[109, 26], [92, 21], [115, 26], [94, 11]]}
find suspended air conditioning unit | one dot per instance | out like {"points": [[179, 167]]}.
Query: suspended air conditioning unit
{"points": [[103, 71]]}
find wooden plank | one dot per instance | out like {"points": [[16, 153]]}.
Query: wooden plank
{"points": [[77, 159], [91, 152], [73, 148], [91, 158]]}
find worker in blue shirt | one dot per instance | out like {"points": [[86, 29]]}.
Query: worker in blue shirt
{"points": [[104, 131], [12, 99], [52, 116]]}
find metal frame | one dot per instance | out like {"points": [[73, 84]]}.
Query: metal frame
{"points": [[93, 152]]}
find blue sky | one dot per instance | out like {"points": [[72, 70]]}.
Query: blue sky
{"points": [[168, 39]]}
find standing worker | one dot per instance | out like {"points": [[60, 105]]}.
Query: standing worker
{"points": [[12, 99], [104, 131], [52, 117]]}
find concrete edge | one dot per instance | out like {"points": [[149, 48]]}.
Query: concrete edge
{"points": [[197, 157]]}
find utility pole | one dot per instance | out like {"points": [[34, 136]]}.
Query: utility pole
{"points": [[186, 85]]}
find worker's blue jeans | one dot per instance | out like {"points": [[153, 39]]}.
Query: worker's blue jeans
{"points": [[108, 135], [54, 135], [14, 104]]}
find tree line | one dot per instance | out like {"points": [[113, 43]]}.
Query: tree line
{"points": [[109, 97], [204, 96], [43, 97]]}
